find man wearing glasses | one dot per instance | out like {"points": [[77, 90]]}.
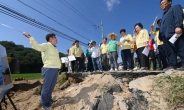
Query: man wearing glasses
{"points": [[52, 63]]}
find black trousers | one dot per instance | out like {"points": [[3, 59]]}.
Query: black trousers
{"points": [[144, 60], [162, 55], [78, 64], [73, 65], [153, 59], [132, 60], [172, 50], [89, 64], [138, 60], [126, 57]]}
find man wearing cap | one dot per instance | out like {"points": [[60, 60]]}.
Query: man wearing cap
{"points": [[77, 52], [125, 52], [104, 53], [96, 57], [52, 64], [113, 53]]}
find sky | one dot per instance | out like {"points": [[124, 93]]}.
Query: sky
{"points": [[115, 15]]}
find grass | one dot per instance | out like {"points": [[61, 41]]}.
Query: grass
{"points": [[27, 75], [171, 89], [63, 79]]}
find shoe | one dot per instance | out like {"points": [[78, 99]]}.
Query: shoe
{"points": [[181, 68], [47, 108], [169, 68], [111, 70], [142, 69], [94, 71], [52, 101], [116, 69]]}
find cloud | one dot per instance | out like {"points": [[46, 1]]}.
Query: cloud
{"points": [[110, 3]]}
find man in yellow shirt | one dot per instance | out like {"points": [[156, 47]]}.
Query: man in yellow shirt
{"points": [[52, 64], [104, 54], [127, 41], [70, 54], [77, 52], [160, 45]]}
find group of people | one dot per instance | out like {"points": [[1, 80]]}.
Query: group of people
{"points": [[165, 50], [162, 53]]}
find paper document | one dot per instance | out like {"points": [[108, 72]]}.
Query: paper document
{"points": [[64, 60], [155, 20], [71, 58], [174, 38], [146, 51], [119, 43]]}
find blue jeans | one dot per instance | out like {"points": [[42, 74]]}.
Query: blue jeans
{"points": [[97, 61], [49, 82]]}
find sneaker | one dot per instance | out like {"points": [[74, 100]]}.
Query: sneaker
{"points": [[181, 68], [47, 108], [116, 69], [111, 70], [142, 69]]}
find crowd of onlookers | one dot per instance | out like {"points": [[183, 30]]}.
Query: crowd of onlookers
{"points": [[162, 52]]}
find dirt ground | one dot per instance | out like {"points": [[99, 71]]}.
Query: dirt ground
{"points": [[26, 93]]}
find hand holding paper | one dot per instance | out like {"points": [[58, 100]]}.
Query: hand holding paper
{"points": [[71, 58], [155, 20], [146, 51], [174, 38], [119, 43]]}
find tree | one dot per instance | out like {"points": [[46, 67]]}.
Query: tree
{"points": [[30, 59]]}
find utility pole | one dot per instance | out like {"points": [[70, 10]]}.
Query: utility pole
{"points": [[102, 27]]}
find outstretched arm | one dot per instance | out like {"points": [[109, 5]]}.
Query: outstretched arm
{"points": [[35, 45]]}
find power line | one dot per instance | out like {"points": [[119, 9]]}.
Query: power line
{"points": [[67, 18], [76, 12], [53, 20], [33, 22], [91, 11]]}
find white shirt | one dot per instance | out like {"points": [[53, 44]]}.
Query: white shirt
{"points": [[95, 52]]}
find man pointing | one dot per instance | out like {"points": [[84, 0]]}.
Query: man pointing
{"points": [[52, 64]]}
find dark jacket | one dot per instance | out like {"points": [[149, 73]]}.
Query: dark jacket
{"points": [[172, 18]]}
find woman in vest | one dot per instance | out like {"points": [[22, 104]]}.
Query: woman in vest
{"points": [[142, 40], [113, 53]]}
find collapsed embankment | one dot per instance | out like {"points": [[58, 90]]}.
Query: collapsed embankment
{"points": [[97, 91]]}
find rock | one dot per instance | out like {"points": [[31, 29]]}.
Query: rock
{"points": [[115, 88], [106, 102], [95, 104], [118, 80], [122, 105], [119, 97], [138, 101], [143, 84]]}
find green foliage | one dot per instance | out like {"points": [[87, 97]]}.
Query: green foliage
{"points": [[27, 76], [30, 59], [171, 89], [63, 79]]}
